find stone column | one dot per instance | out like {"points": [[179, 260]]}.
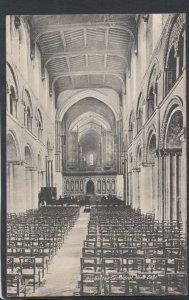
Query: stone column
{"points": [[10, 187], [160, 180], [156, 186], [146, 194], [40, 175], [177, 65], [102, 150], [28, 187], [183, 180], [34, 186], [135, 188], [175, 184], [19, 187], [130, 191], [165, 83], [167, 187], [43, 174], [153, 187]]}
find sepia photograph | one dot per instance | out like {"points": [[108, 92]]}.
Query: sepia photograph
{"points": [[96, 156]]}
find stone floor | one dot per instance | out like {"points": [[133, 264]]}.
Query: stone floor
{"points": [[64, 271]]}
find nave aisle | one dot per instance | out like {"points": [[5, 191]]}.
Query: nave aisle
{"points": [[64, 270]]}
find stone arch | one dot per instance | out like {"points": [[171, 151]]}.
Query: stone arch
{"points": [[150, 130], [14, 76], [173, 129], [26, 97], [40, 162], [155, 63], [151, 147], [90, 187], [131, 160], [138, 155], [151, 91], [175, 26], [84, 94], [13, 148], [139, 112], [39, 123], [174, 102], [29, 157], [12, 91]]}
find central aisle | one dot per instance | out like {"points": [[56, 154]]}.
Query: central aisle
{"points": [[64, 270]]}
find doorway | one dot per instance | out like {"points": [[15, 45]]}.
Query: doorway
{"points": [[90, 187]]}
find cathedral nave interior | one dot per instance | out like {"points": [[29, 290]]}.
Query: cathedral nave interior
{"points": [[96, 154]]}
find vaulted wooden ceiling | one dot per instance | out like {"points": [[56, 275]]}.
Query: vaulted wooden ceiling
{"points": [[85, 51]]}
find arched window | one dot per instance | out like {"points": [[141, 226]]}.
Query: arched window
{"points": [[131, 161], [104, 186], [181, 53], [28, 112], [12, 91], [174, 55], [139, 120], [152, 91], [91, 159], [174, 128], [139, 114], [108, 185], [81, 185], [28, 156], [39, 125], [113, 186], [151, 102], [139, 157], [172, 171], [13, 102], [131, 127], [99, 186], [67, 185], [29, 119], [171, 70], [152, 148]]}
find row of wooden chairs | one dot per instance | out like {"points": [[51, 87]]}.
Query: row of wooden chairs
{"points": [[33, 238], [123, 284], [125, 242]]}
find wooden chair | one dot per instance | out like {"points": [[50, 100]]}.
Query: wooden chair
{"points": [[175, 283], [147, 283], [90, 284], [118, 284], [15, 288], [110, 265], [88, 264]]}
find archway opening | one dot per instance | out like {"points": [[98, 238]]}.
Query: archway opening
{"points": [[152, 149], [175, 125], [90, 187], [11, 148], [172, 165]]}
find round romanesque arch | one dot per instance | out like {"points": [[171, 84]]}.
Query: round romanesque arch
{"points": [[171, 38], [151, 130], [151, 150], [84, 94], [13, 148], [175, 102]]}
